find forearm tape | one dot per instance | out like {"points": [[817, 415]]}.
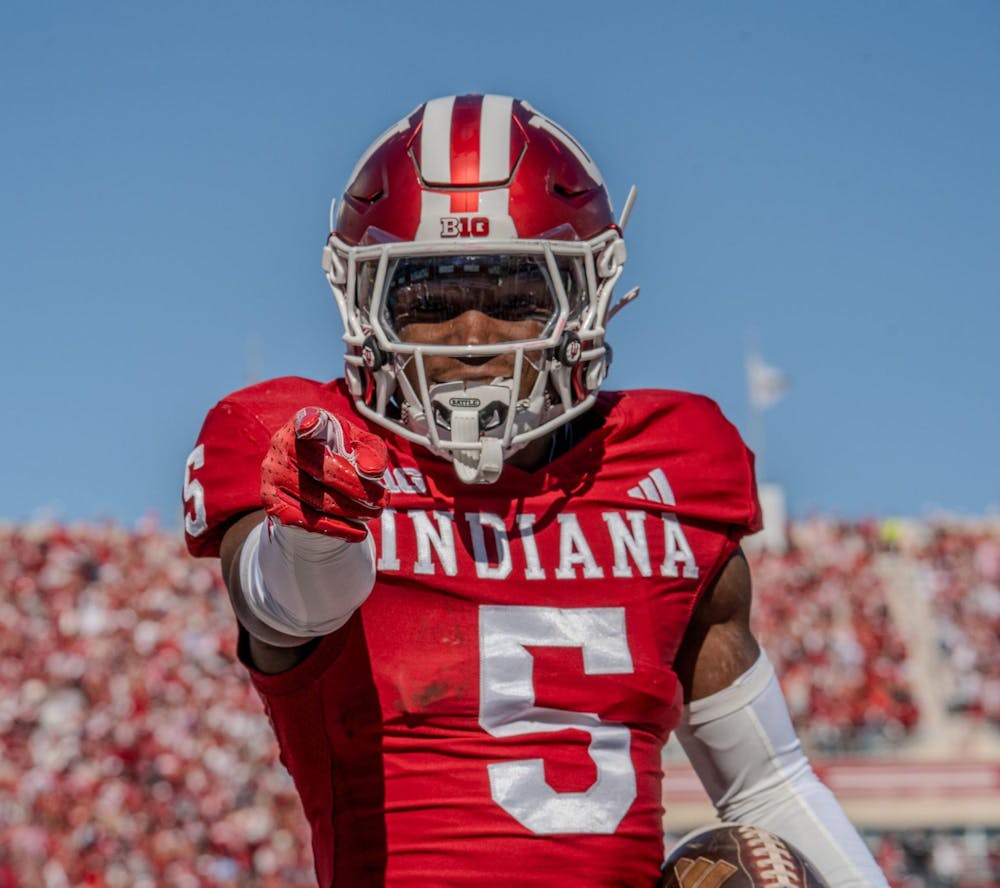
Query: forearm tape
{"points": [[304, 584], [742, 744]]}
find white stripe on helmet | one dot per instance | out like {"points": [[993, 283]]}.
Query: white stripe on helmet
{"points": [[553, 129], [495, 204], [433, 206], [435, 140], [400, 126], [494, 164], [494, 139]]}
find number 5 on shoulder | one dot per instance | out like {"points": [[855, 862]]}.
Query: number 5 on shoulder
{"points": [[197, 523]]}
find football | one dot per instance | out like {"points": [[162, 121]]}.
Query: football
{"points": [[735, 856]]}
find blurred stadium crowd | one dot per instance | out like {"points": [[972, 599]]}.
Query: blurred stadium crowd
{"points": [[133, 751], [822, 612]]}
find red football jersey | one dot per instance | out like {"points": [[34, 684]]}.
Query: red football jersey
{"points": [[495, 712]]}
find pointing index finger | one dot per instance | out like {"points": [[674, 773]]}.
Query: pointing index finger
{"points": [[316, 424]]}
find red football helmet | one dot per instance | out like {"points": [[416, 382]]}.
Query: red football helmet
{"points": [[475, 203]]}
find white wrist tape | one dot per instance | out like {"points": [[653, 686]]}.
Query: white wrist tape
{"points": [[301, 583], [742, 745]]}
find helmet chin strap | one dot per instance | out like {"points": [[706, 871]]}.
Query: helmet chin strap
{"points": [[470, 413]]}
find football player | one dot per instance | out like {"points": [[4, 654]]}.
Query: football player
{"points": [[475, 592]]}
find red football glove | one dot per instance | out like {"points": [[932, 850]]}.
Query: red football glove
{"points": [[324, 474]]}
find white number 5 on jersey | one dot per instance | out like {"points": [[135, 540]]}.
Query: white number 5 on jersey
{"points": [[507, 708], [195, 521]]}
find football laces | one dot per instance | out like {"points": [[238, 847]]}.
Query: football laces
{"points": [[777, 868]]}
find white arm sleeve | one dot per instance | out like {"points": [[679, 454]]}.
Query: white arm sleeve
{"points": [[303, 584], [742, 745]]}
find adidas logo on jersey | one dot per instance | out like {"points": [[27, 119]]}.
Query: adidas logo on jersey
{"points": [[654, 487]]}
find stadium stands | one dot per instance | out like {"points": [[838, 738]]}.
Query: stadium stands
{"points": [[133, 751], [958, 573], [822, 612]]}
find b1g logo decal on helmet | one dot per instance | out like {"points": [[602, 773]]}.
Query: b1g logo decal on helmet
{"points": [[465, 226]]}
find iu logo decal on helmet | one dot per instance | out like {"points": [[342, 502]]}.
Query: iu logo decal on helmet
{"points": [[473, 259]]}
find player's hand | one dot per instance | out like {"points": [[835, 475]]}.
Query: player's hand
{"points": [[324, 474]]}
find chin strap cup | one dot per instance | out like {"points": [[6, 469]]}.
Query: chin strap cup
{"points": [[488, 463], [468, 412]]}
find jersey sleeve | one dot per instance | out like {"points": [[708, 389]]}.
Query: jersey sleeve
{"points": [[222, 475], [711, 469], [724, 468]]}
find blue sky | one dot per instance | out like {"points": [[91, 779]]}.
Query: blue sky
{"points": [[820, 179]]}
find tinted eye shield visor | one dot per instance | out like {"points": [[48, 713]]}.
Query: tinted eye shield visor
{"points": [[537, 288]]}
